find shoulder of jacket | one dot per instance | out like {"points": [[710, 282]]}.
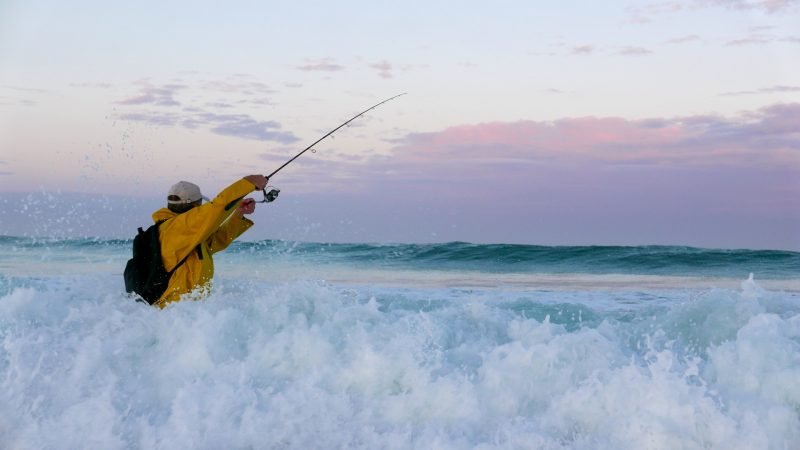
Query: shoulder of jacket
{"points": [[162, 215]]}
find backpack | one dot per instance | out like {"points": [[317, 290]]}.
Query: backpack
{"points": [[145, 274]]}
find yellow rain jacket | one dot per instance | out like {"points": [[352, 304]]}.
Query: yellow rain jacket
{"points": [[196, 235]]}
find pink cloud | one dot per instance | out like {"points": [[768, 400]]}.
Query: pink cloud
{"points": [[695, 140]]}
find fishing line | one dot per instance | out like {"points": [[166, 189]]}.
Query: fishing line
{"points": [[273, 192]]}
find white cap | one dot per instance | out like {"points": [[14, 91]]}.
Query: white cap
{"points": [[184, 192]]}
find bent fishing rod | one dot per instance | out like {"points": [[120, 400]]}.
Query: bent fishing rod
{"points": [[273, 192]]}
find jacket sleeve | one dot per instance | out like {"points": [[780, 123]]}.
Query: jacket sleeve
{"points": [[184, 232], [227, 233]]}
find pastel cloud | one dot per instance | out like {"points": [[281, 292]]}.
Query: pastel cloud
{"points": [[245, 127], [240, 84], [14, 92], [769, 6], [152, 118], [767, 90], [750, 40], [155, 95], [17, 101], [237, 88], [25, 89], [322, 65], [642, 14], [386, 69], [583, 50], [634, 51], [91, 85], [383, 68], [242, 126], [684, 39], [199, 113], [694, 140]]}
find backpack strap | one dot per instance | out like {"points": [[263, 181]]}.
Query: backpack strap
{"points": [[182, 261]]}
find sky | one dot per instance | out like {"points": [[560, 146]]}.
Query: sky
{"points": [[556, 123]]}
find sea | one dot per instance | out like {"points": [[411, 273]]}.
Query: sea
{"points": [[403, 346]]}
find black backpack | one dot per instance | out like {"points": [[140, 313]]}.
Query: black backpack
{"points": [[145, 274]]}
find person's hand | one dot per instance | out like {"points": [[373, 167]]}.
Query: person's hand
{"points": [[247, 206], [260, 181]]}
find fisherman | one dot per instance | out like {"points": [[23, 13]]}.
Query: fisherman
{"points": [[192, 231], [173, 257]]}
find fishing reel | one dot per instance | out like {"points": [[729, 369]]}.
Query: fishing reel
{"points": [[270, 194]]}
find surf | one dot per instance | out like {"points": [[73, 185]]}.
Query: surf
{"points": [[296, 360]]}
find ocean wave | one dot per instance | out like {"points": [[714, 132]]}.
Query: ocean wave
{"points": [[650, 260], [488, 258], [307, 364]]}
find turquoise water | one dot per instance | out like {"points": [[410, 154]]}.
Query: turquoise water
{"points": [[450, 346], [500, 258]]}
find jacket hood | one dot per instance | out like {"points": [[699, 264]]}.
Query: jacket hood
{"points": [[163, 214]]}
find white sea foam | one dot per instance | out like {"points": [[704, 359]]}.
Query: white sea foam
{"points": [[310, 364]]}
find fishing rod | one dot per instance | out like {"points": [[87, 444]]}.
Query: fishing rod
{"points": [[273, 193]]}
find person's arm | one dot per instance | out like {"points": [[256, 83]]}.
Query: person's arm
{"points": [[233, 227], [184, 232]]}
